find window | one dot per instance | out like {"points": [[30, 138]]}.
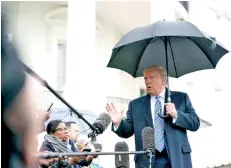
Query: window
{"points": [[143, 92], [61, 66]]}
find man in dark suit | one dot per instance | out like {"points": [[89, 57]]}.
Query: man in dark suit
{"points": [[171, 142]]}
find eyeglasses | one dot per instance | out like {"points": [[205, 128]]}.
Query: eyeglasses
{"points": [[61, 129]]}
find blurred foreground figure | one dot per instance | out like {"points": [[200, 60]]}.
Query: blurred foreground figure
{"points": [[18, 108]]}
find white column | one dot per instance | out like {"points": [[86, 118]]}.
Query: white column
{"points": [[83, 88]]}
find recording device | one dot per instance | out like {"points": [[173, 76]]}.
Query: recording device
{"points": [[87, 150], [122, 161], [49, 108], [101, 124]]}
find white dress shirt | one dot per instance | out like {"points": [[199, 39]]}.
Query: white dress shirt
{"points": [[153, 102], [162, 101]]}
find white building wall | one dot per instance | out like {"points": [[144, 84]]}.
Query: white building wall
{"points": [[34, 36], [211, 145], [38, 40], [115, 83]]}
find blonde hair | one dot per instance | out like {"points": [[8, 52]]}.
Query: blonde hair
{"points": [[160, 69], [82, 142], [80, 147]]}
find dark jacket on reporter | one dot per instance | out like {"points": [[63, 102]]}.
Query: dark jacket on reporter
{"points": [[46, 146]]}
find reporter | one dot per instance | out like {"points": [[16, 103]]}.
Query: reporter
{"points": [[57, 140]]}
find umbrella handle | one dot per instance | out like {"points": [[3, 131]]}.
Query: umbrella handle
{"points": [[169, 98], [162, 116], [160, 112]]}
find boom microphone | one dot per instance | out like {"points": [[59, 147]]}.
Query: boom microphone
{"points": [[122, 161], [101, 124], [45, 84]]}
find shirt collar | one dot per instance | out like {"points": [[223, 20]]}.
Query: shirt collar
{"points": [[162, 95]]}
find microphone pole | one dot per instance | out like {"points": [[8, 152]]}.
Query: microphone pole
{"points": [[150, 154], [53, 154], [45, 84]]}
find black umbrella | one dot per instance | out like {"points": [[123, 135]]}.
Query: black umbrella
{"points": [[179, 46]]}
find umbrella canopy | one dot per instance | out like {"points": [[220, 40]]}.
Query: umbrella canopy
{"points": [[66, 115], [179, 46]]}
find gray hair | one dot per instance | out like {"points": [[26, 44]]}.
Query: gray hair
{"points": [[160, 69]]}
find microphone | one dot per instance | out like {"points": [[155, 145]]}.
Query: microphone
{"points": [[148, 137], [101, 124], [122, 161]]}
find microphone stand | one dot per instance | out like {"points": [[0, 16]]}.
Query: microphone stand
{"points": [[53, 154], [149, 153], [45, 84]]}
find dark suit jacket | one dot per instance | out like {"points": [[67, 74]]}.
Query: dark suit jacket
{"points": [[176, 140], [46, 146]]}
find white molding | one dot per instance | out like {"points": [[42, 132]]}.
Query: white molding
{"points": [[53, 21]]}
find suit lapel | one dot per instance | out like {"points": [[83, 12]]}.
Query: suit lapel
{"points": [[146, 110]]}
